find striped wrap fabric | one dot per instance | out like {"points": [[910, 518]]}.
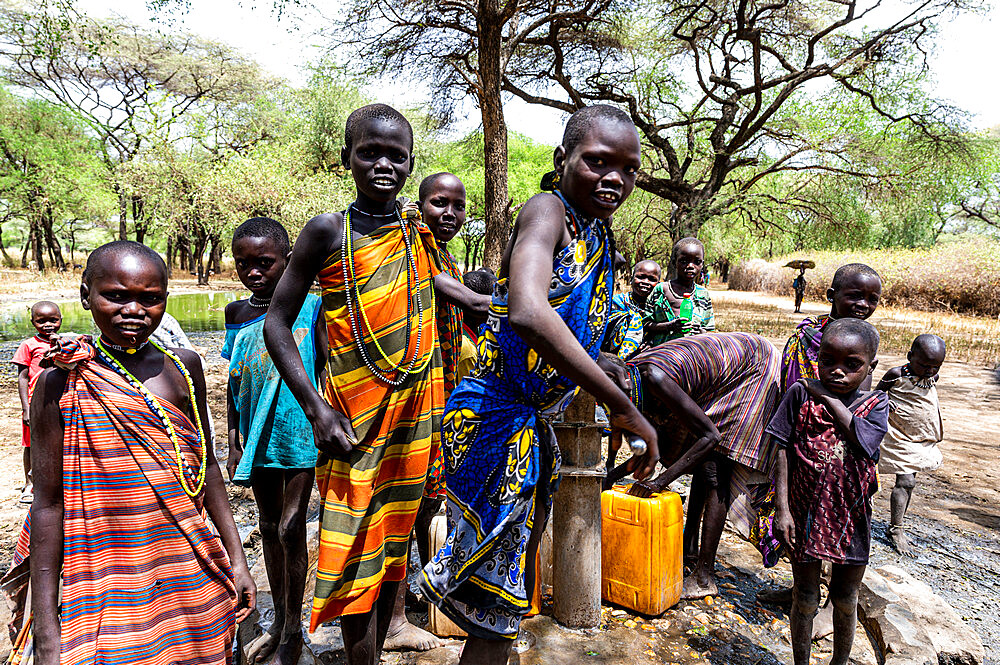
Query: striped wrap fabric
{"points": [[370, 497]]}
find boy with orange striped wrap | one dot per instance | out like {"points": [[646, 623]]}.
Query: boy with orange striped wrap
{"points": [[378, 424], [124, 479]]}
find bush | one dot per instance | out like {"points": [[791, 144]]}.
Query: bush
{"points": [[959, 276]]}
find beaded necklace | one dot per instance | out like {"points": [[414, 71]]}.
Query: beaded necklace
{"points": [[260, 302], [355, 307], [127, 349], [154, 404]]}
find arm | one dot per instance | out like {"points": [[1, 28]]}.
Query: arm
{"points": [[216, 500], [843, 418], [889, 379], [332, 431], [22, 389], [233, 424], [540, 230], [688, 412], [459, 294], [47, 513], [784, 525]]}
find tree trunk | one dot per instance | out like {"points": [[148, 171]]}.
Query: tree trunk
{"points": [[122, 215], [37, 247], [496, 200], [27, 247], [51, 240], [170, 257], [139, 217], [215, 256], [3, 249]]}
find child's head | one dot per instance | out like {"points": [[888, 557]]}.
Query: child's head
{"points": [[482, 282], [260, 251], [645, 275], [442, 204], [926, 356], [46, 318], [687, 259], [598, 160], [378, 150], [125, 288], [855, 291], [847, 354]]}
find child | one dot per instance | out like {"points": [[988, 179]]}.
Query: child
{"points": [[629, 313], [828, 432], [441, 205], [47, 319], [854, 293], [379, 423], [667, 298], [539, 343], [271, 445], [124, 477], [915, 428], [710, 396], [799, 285]]}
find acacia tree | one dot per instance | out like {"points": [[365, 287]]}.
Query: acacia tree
{"points": [[720, 91], [48, 173], [463, 48], [126, 83]]}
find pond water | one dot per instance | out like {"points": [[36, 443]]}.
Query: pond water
{"points": [[196, 312]]}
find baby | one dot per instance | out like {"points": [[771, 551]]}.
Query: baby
{"points": [[915, 427]]}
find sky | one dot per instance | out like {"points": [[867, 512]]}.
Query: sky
{"points": [[967, 50]]}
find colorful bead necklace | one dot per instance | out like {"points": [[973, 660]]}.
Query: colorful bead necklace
{"points": [[154, 404], [356, 310]]}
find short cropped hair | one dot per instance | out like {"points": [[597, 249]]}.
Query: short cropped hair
{"points": [[580, 123], [264, 227], [928, 344], [427, 184], [848, 271], [373, 112], [851, 327], [101, 258], [43, 304], [480, 281], [685, 242], [639, 263]]}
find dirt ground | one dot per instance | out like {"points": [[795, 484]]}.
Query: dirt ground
{"points": [[954, 518]]}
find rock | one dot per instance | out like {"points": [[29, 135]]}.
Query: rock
{"points": [[892, 625], [953, 641], [911, 624]]}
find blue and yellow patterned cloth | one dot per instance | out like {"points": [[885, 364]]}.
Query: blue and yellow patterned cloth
{"points": [[625, 326], [276, 433], [502, 461]]}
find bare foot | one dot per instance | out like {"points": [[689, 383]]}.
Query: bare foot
{"points": [[407, 637], [823, 623], [263, 647], [782, 596], [899, 540], [695, 588], [289, 651]]}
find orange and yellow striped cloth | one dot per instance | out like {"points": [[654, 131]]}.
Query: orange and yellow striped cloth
{"points": [[370, 497], [145, 580]]}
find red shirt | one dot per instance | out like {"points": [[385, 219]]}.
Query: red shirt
{"points": [[30, 355]]}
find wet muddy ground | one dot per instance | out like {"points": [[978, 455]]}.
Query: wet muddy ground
{"points": [[954, 523]]}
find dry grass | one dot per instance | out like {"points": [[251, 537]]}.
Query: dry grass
{"points": [[952, 277], [971, 339]]}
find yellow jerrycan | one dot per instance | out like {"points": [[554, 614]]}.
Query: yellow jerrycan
{"points": [[642, 554]]}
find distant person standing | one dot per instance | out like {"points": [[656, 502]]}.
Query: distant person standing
{"points": [[799, 284]]}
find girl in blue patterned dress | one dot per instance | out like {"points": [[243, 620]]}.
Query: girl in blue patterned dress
{"points": [[539, 344]]}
